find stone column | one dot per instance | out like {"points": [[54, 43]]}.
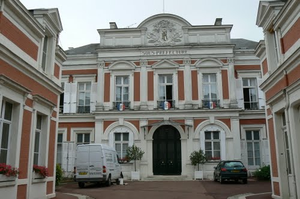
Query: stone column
{"points": [[144, 85], [100, 87], [187, 84], [232, 86]]}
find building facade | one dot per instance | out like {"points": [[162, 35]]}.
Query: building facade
{"points": [[170, 88], [280, 60], [30, 71]]}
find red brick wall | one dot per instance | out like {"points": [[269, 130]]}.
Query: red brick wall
{"points": [[80, 72], [24, 150], [180, 85], [106, 87], [291, 37], [227, 122], [225, 84], [52, 143], [273, 148], [197, 122], [265, 66], [137, 86], [49, 187], [106, 124], [56, 71], [15, 35], [150, 86], [22, 191], [69, 125], [252, 121], [136, 123], [27, 82], [276, 188], [194, 85]]}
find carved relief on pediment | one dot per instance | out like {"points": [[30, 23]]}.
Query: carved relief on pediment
{"points": [[163, 33]]}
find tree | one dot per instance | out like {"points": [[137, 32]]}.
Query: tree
{"points": [[134, 153], [198, 157]]}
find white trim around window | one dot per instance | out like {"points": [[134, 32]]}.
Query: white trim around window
{"points": [[75, 131]]}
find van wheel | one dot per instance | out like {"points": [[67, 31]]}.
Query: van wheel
{"points": [[81, 184], [108, 182]]}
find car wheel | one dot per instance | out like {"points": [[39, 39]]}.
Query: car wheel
{"points": [[245, 181], [81, 184], [215, 178], [108, 182], [221, 179]]}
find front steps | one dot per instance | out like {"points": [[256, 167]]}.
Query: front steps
{"points": [[166, 178]]}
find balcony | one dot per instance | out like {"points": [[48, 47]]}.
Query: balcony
{"points": [[211, 104], [121, 105], [83, 109], [251, 105], [161, 104]]}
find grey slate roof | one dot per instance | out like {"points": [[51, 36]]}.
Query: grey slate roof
{"points": [[92, 48]]}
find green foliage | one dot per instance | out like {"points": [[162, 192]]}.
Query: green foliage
{"points": [[59, 174], [198, 157], [134, 153], [263, 173]]}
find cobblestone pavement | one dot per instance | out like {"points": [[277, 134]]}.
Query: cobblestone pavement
{"points": [[167, 190]]}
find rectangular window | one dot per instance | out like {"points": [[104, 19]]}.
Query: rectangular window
{"points": [[37, 140], [84, 96], [44, 54], [286, 144], [121, 142], [122, 91], [253, 148], [5, 130], [59, 148], [165, 90], [213, 145], [210, 96], [61, 99], [250, 93], [83, 138]]}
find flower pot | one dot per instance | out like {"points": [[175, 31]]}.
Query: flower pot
{"points": [[4, 178], [36, 175], [198, 175], [135, 175]]}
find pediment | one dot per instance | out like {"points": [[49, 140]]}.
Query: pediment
{"points": [[122, 65], [165, 64], [209, 63]]}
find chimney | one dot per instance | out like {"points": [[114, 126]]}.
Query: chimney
{"points": [[218, 22], [113, 25]]}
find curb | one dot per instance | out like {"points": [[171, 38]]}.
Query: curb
{"points": [[79, 196], [244, 195]]}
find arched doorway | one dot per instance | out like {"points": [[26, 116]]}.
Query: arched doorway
{"points": [[166, 151]]}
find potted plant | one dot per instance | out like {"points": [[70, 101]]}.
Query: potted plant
{"points": [[197, 158], [40, 171], [134, 153], [7, 172]]}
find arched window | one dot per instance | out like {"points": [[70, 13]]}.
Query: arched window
{"points": [[212, 142]]}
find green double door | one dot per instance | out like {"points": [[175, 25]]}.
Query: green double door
{"points": [[166, 151]]}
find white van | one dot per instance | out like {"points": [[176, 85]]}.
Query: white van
{"points": [[96, 163]]}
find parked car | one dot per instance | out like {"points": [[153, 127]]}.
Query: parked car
{"points": [[96, 163], [230, 170]]}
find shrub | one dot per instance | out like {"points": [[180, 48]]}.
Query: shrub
{"points": [[59, 174], [263, 173], [198, 157], [134, 153]]}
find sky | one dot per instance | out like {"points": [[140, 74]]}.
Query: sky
{"points": [[81, 19]]}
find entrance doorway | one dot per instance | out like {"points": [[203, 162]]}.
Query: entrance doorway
{"points": [[166, 151]]}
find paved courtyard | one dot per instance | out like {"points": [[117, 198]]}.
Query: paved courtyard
{"points": [[167, 190]]}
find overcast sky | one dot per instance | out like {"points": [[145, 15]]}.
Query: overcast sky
{"points": [[81, 19]]}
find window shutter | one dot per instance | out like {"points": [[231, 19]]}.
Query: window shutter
{"points": [[239, 93], [67, 93], [261, 95], [244, 156], [265, 159], [93, 96], [68, 160], [73, 97], [202, 141]]}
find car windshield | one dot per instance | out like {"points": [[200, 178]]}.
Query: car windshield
{"points": [[233, 164]]}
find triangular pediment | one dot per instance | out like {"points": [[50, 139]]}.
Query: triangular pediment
{"points": [[122, 65], [209, 63], [165, 64]]}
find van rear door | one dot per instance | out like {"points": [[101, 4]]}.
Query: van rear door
{"points": [[82, 162], [96, 161]]}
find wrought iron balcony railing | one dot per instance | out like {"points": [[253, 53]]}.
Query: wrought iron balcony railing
{"points": [[211, 104], [117, 105], [83, 109], [165, 104]]}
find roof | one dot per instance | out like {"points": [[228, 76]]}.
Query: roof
{"points": [[87, 49], [92, 48], [244, 43]]}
